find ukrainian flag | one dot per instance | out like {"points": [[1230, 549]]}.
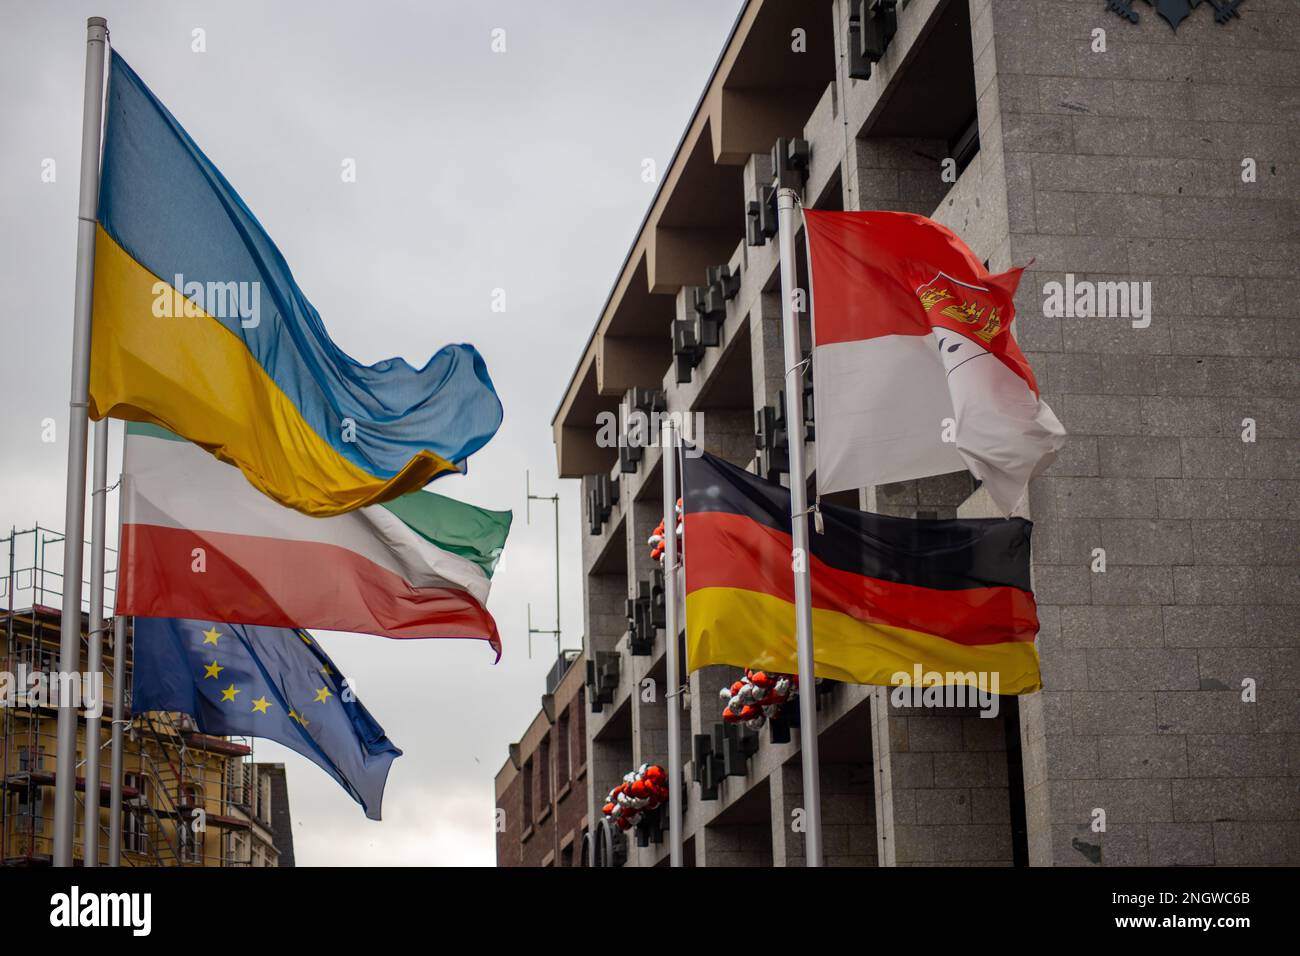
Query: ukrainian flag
{"points": [[200, 327]]}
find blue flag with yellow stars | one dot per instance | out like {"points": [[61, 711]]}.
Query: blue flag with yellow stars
{"points": [[273, 682]]}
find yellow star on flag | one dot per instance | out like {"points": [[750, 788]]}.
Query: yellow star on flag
{"points": [[230, 692], [294, 715], [261, 704], [210, 635], [325, 669], [321, 694], [212, 670]]}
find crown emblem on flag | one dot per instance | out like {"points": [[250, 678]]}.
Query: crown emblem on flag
{"points": [[969, 306]]}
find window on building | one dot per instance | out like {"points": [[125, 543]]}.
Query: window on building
{"points": [[563, 747], [135, 834], [25, 821], [580, 729], [527, 786], [263, 798], [140, 784], [31, 759], [191, 842], [544, 774], [36, 657]]}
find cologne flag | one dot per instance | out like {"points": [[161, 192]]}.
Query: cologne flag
{"points": [[889, 595], [199, 326], [199, 542], [270, 682], [917, 373]]}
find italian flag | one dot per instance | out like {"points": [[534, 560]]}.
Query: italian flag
{"points": [[200, 542]]}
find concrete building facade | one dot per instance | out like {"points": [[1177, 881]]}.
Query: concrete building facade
{"points": [[1097, 150]]}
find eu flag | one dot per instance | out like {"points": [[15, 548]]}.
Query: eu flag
{"points": [[271, 682]]}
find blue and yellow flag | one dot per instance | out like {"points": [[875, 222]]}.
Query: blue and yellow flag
{"points": [[272, 682], [200, 327]]}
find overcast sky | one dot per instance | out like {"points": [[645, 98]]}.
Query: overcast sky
{"points": [[475, 171]]}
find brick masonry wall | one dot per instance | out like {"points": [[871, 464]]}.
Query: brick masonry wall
{"points": [[509, 849], [1127, 165]]}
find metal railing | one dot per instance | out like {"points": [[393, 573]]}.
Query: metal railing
{"points": [[32, 579]]}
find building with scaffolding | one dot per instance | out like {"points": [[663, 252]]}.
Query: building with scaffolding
{"points": [[1053, 133], [188, 798]]}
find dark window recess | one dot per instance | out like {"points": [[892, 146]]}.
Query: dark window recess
{"points": [[1010, 707], [967, 143], [563, 768], [526, 785], [544, 775], [933, 94]]}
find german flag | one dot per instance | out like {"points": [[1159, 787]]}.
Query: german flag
{"points": [[888, 594]]}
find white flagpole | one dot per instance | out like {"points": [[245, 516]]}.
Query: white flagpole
{"points": [[65, 794], [785, 201], [668, 461], [95, 641]]}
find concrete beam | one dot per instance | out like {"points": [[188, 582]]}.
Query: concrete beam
{"points": [[679, 256], [624, 362]]}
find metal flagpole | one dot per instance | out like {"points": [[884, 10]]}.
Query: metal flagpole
{"points": [[812, 797], [65, 795], [115, 762], [668, 460], [95, 641], [119, 685]]}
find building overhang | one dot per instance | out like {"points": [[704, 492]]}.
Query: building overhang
{"points": [[764, 84]]}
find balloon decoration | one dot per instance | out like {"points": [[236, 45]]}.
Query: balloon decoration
{"points": [[757, 697], [642, 791], [656, 540]]}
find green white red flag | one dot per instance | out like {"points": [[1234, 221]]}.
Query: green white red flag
{"points": [[199, 542]]}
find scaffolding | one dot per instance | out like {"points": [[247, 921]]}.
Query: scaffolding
{"points": [[188, 798]]}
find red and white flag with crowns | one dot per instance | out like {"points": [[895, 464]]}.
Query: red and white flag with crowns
{"points": [[915, 369]]}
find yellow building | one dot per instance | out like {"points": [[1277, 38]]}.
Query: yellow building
{"points": [[188, 799]]}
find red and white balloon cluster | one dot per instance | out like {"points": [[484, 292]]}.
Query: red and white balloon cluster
{"points": [[656, 540], [640, 792], [758, 697]]}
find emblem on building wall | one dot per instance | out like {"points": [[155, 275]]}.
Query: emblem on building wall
{"points": [[1176, 11]]}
